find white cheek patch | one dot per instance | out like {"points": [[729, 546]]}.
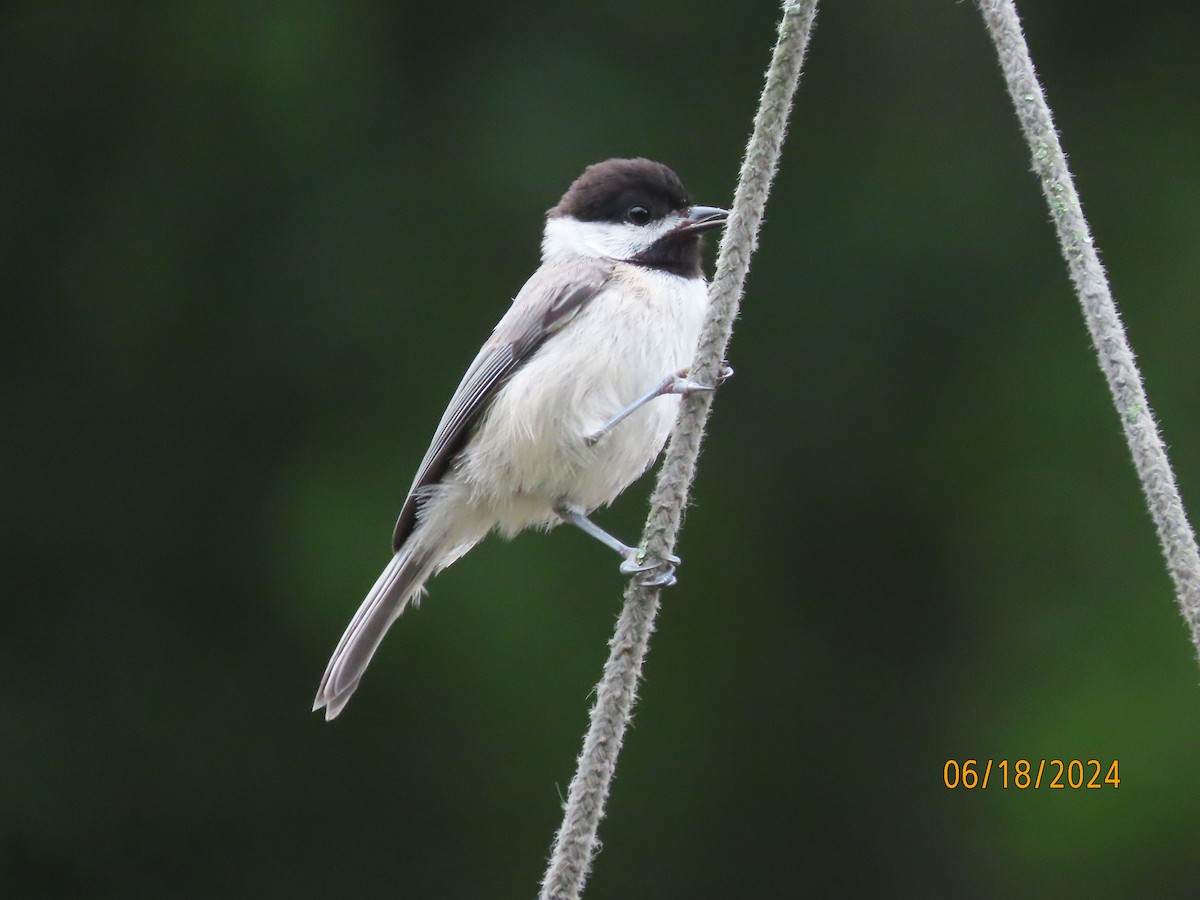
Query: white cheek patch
{"points": [[567, 237]]}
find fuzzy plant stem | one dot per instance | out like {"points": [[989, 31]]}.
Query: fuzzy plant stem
{"points": [[1091, 286], [576, 843]]}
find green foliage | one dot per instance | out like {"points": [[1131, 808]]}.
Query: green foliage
{"points": [[246, 252]]}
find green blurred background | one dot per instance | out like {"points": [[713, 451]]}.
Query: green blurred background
{"points": [[246, 251]]}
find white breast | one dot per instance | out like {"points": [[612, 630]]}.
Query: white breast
{"points": [[530, 452]]}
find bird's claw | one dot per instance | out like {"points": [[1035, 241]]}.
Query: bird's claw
{"points": [[686, 387], [656, 572], [683, 385], [664, 577]]}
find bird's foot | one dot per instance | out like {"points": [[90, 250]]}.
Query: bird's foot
{"points": [[682, 384], [651, 572], [676, 383]]}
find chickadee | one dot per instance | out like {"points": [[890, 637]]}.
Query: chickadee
{"points": [[571, 398]]}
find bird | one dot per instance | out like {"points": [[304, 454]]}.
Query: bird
{"points": [[571, 398]]}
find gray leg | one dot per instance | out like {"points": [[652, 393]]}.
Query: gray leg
{"points": [[634, 559], [678, 383]]}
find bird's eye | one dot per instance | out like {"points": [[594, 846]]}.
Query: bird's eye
{"points": [[638, 215]]}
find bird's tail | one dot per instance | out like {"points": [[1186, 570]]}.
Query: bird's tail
{"points": [[399, 583]]}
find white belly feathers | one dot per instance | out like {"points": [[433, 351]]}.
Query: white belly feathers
{"points": [[531, 442]]}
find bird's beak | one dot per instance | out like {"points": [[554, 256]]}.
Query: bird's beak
{"points": [[701, 219]]}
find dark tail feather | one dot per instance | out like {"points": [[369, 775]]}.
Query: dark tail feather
{"points": [[398, 583]]}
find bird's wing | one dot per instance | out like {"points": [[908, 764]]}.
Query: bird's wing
{"points": [[547, 302]]}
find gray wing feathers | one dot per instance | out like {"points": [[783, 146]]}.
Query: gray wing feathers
{"points": [[485, 375], [566, 303], [549, 300]]}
